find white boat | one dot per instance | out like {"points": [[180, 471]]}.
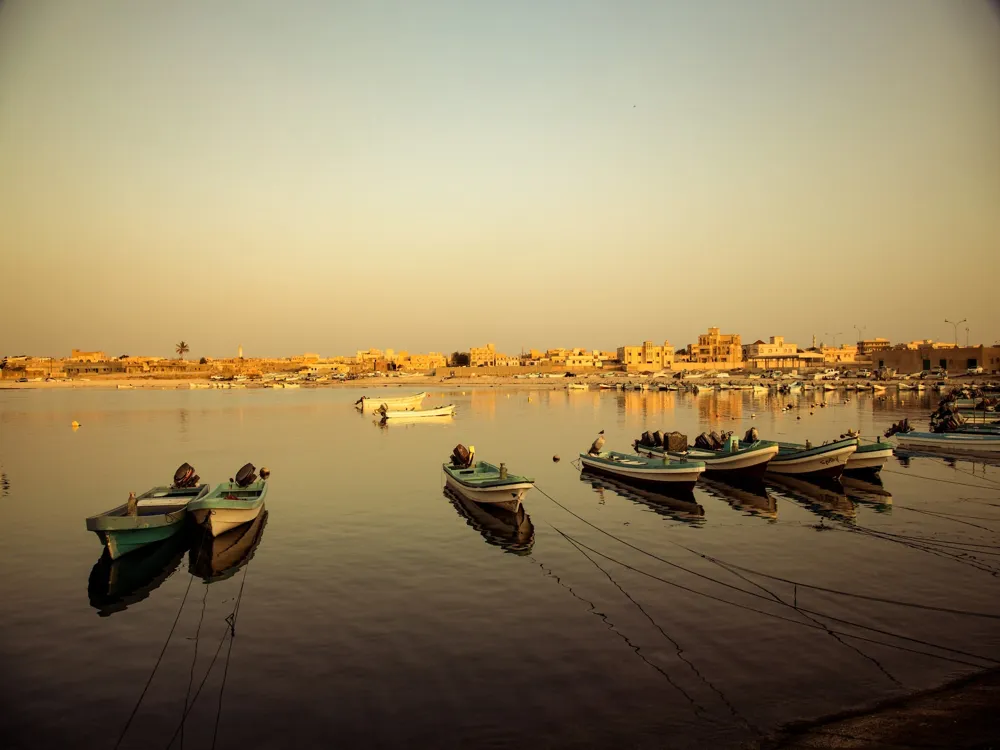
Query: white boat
{"points": [[577, 387], [488, 484], [829, 387], [817, 461], [743, 460], [193, 386], [392, 403], [869, 457], [757, 388], [440, 411], [291, 385], [950, 442], [645, 472]]}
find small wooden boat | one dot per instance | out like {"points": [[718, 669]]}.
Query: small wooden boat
{"points": [[121, 533], [440, 411], [643, 471], [869, 458], [232, 503], [748, 459], [392, 403], [976, 442], [577, 387], [817, 461], [485, 483]]}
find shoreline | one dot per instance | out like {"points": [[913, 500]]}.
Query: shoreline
{"points": [[959, 715]]}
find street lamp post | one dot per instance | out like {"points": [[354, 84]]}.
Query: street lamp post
{"points": [[967, 337], [838, 333], [860, 330], [956, 325]]}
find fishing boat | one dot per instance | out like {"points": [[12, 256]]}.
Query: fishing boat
{"points": [[232, 503], [968, 441], [392, 403], [869, 457], [415, 414], [815, 461], [215, 558], [577, 387], [643, 471], [736, 458], [483, 482], [512, 531], [155, 515]]}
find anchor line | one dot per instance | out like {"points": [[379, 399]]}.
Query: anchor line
{"points": [[232, 637], [897, 602], [724, 584], [800, 623], [194, 660]]}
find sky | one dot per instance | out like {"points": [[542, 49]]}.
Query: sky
{"points": [[327, 176]]}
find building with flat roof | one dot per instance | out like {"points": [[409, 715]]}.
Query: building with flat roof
{"points": [[648, 357], [867, 346], [715, 348]]}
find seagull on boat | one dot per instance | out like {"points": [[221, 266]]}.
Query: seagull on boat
{"points": [[598, 444]]}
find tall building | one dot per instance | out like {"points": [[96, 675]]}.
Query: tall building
{"points": [[483, 356], [718, 348], [649, 356], [867, 346]]}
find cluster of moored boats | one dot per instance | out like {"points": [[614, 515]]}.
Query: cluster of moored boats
{"points": [[163, 511], [958, 425]]}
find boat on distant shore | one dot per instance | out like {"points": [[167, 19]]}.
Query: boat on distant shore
{"points": [[577, 387], [415, 414], [392, 403], [654, 473], [825, 461], [967, 441], [483, 482], [232, 503]]}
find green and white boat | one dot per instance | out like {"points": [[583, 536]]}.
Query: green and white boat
{"points": [[485, 483], [232, 503], [654, 473], [159, 514]]}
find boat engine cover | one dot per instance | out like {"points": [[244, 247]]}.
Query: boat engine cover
{"points": [[185, 476], [461, 457], [245, 476]]}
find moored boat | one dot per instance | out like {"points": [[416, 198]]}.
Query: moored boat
{"points": [[155, 515], [869, 458], [577, 387], [440, 411], [744, 459], [231, 503], [815, 461], [976, 442], [392, 403], [645, 472], [214, 558], [483, 482]]}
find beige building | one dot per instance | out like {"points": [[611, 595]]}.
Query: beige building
{"points": [[867, 346], [955, 359], [778, 354], [716, 348], [81, 356], [420, 362], [483, 356], [845, 354], [648, 357]]}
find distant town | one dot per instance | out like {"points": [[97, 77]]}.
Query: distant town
{"points": [[713, 352]]}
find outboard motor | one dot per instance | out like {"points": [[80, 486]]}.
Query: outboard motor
{"points": [[752, 436], [245, 476], [461, 457], [676, 442], [185, 476], [658, 439], [647, 438], [704, 442]]}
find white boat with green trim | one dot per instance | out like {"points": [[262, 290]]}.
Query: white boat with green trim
{"points": [[825, 461], [658, 473], [485, 483], [232, 503], [392, 403], [440, 411]]}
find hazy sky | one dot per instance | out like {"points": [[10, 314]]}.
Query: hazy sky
{"points": [[324, 176]]}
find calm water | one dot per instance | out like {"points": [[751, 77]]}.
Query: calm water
{"points": [[376, 611]]}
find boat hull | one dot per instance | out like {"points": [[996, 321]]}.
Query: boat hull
{"points": [[220, 520], [120, 542], [397, 403], [672, 477], [868, 461], [820, 462], [950, 442], [441, 411], [508, 496], [749, 463]]}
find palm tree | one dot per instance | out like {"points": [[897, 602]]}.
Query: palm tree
{"points": [[182, 349]]}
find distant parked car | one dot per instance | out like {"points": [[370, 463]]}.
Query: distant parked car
{"points": [[975, 371], [864, 373], [22, 380]]}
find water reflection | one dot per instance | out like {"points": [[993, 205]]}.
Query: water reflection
{"points": [[678, 505], [218, 558], [750, 496], [826, 499], [870, 491], [4, 484], [400, 422], [116, 584], [511, 531]]}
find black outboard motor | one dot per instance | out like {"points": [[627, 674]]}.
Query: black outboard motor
{"points": [[658, 439], [704, 441], [752, 436], [461, 457], [185, 476], [647, 438], [245, 476]]}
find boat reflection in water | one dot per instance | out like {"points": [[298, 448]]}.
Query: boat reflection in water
{"points": [[677, 504], [749, 496], [114, 585], [512, 531], [825, 498], [868, 491], [217, 558]]}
